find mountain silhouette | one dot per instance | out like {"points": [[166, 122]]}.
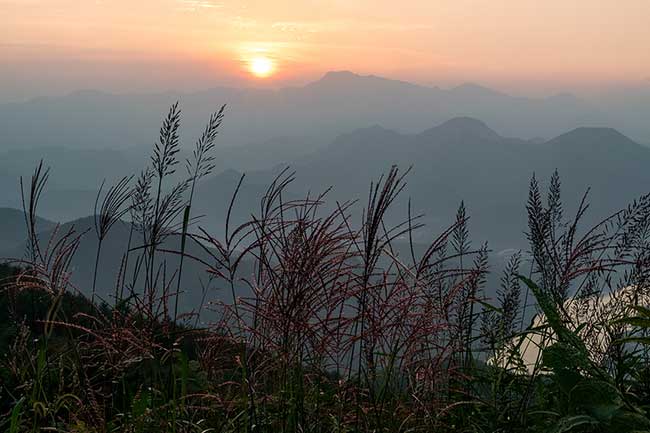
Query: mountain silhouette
{"points": [[13, 229], [464, 159], [460, 130], [461, 159], [114, 247], [319, 112]]}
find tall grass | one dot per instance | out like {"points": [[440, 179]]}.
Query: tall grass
{"points": [[341, 328]]}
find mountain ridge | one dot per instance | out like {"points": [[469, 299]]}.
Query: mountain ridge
{"points": [[318, 111], [476, 164]]}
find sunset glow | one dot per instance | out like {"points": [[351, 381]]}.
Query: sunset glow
{"points": [[513, 45]]}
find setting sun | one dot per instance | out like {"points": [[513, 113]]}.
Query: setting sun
{"points": [[261, 67]]}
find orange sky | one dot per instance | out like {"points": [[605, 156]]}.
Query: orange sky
{"points": [[53, 46]]}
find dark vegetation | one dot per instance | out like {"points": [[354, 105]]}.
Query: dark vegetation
{"points": [[341, 331]]}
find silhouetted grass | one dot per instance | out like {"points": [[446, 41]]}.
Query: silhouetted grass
{"points": [[340, 332]]}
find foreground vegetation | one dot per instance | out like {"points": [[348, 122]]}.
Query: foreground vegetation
{"points": [[341, 332]]}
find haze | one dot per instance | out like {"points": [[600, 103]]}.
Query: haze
{"points": [[52, 47]]}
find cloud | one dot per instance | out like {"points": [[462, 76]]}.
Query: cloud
{"points": [[197, 5], [296, 27], [339, 25]]}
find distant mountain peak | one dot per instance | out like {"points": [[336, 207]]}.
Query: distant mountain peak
{"points": [[346, 79], [473, 89], [590, 137], [339, 75], [597, 131], [340, 78], [462, 128]]}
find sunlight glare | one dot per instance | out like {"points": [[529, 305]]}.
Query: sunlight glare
{"points": [[261, 67]]}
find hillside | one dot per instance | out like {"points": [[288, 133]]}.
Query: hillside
{"points": [[464, 159], [13, 230]]}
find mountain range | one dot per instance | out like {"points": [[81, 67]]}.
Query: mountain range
{"points": [[317, 113], [460, 160], [89, 136]]}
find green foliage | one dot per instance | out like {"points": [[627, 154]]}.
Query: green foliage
{"points": [[586, 396]]}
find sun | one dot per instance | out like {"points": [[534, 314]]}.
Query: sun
{"points": [[261, 67]]}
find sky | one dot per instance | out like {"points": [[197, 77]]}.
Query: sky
{"points": [[50, 47]]}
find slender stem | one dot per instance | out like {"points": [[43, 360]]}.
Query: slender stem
{"points": [[186, 221], [99, 250], [126, 268]]}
